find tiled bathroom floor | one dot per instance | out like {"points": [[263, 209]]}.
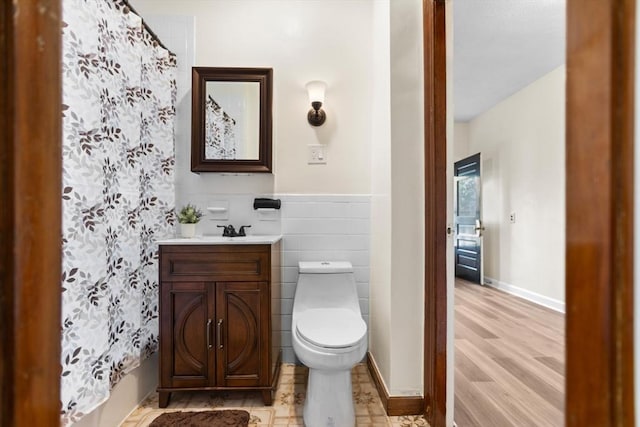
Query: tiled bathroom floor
{"points": [[287, 405]]}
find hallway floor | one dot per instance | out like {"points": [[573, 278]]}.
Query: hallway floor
{"points": [[509, 360], [287, 405]]}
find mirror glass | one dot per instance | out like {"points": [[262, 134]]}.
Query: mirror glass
{"points": [[231, 119]]}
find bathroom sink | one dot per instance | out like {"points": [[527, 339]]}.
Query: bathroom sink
{"points": [[265, 239]]}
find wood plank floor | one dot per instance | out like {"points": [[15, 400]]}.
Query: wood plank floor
{"points": [[509, 360]]}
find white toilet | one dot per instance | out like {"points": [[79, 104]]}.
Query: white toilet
{"points": [[329, 337]]}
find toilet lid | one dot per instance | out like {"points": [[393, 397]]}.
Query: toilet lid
{"points": [[331, 327]]}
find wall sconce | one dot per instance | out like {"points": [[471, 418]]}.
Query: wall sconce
{"points": [[316, 115]]}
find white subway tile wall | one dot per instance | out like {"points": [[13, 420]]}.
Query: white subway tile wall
{"points": [[314, 228], [239, 212], [322, 228]]}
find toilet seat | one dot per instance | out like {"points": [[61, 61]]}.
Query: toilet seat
{"points": [[331, 328]]}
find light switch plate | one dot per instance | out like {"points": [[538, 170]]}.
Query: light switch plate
{"points": [[316, 154]]}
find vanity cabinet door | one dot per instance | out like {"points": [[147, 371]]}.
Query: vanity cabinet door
{"points": [[186, 334], [242, 330], [215, 318]]}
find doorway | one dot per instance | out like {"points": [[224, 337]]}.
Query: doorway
{"points": [[503, 343], [599, 255]]}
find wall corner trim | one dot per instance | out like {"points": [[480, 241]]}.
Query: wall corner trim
{"points": [[393, 405]]}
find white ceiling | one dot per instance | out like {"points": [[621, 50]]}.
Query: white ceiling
{"points": [[501, 46]]}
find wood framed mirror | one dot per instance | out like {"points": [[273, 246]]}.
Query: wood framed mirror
{"points": [[231, 119]]}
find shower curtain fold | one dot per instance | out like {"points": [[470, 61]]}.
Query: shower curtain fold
{"points": [[118, 196]]}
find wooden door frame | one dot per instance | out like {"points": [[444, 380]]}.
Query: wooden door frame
{"points": [[599, 213], [30, 212], [435, 181]]}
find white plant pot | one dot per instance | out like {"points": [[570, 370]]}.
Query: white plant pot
{"points": [[187, 230]]}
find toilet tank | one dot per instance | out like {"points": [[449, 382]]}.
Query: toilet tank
{"points": [[326, 284]]}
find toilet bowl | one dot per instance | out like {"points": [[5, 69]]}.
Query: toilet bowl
{"points": [[329, 336]]}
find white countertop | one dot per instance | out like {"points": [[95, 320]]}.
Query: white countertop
{"points": [[267, 239]]}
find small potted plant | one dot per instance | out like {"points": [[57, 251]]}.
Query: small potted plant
{"points": [[188, 217]]}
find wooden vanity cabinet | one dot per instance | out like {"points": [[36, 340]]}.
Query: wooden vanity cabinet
{"points": [[216, 318]]}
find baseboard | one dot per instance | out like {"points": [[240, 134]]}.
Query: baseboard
{"points": [[551, 303], [394, 405]]}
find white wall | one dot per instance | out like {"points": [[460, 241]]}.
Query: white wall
{"points": [[407, 197], [523, 172], [380, 285], [397, 276], [460, 148], [301, 40]]}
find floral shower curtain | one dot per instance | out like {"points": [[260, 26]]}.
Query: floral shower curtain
{"points": [[118, 195], [220, 138]]}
